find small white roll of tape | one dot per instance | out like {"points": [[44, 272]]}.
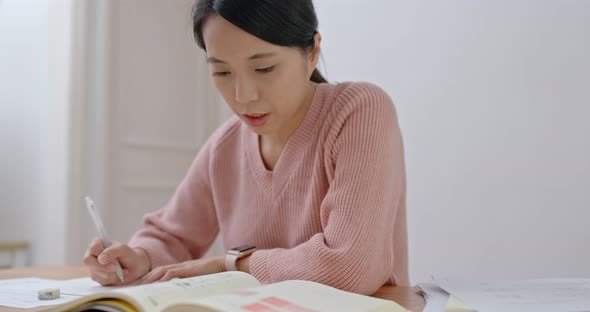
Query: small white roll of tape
{"points": [[48, 294]]}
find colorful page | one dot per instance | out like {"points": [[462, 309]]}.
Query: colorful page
{"points": [[292, 296]]}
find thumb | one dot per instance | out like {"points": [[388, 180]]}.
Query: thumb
{"points": [[116, 250]]}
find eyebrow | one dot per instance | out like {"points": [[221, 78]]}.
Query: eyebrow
{"points": [[253, 57]]}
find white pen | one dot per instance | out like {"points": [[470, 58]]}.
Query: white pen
{"points": [[102, 232]]}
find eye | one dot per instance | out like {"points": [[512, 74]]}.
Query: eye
{"points": [[220, 74], [265, 70]]}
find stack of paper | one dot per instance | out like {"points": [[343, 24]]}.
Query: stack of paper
{"points": [[438, 299]]}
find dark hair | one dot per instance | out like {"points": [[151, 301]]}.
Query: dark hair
{"points": [[290, 23]]}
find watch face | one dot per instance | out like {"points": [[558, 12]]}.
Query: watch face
{"points": [[244, 248]]}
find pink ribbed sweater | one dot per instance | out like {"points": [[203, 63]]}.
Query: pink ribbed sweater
{"points": [[332, 210]]}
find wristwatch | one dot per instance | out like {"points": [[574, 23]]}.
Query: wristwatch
{"points": [[232, 256]]}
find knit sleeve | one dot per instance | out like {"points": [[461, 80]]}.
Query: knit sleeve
{"points": [[355, 250], [186, 226]]}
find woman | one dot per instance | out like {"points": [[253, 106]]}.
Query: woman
{"points": [[310, 173]]}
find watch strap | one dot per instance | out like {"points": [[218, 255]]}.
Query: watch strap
{"points": [[230, 262]]}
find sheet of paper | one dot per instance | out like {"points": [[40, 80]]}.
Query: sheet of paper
{"points": [[82, 286], [22, 292], [539, 295]]}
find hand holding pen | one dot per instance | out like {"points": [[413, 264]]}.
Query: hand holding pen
{"points": [[113, 263]]}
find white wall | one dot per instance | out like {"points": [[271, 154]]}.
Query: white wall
{"points": [[493, 99], [35, 127], [102, 98], [23, 93], [146, 106]]}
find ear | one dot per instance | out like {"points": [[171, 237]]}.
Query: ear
{"points": [[314, 55]]}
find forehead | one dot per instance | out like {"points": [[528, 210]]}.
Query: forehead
{"points": [[225, 40]]}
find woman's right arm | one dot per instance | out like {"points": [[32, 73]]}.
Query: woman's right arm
{"points": [[182, 230], [186, 226]]}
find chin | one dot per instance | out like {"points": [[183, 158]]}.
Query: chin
{"points": [[264, 130]]}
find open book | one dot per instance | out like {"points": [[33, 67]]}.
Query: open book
{"points": [[227, 291]]}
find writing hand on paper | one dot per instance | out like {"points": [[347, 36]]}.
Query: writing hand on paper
{"points": [[190, 268], [101, 262]]}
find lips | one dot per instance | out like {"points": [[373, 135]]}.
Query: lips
{"points": [[256, 119]]}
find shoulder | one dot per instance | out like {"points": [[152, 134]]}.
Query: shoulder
{"points": [[361, 119], [361, 100], [350, 91], [357, 94]]}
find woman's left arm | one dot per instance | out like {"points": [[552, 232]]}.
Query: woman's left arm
{"points": [[355, 251]]}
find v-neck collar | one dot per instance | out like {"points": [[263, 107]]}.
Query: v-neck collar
{"points": [[292, 153]]}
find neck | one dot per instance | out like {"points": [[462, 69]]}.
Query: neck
{"points": [[281, 137]]}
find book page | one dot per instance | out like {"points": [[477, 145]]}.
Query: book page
{"points": [[293, 296], [156, 296]]}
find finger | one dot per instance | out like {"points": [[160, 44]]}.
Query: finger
{"points": [[174, 273], [105, 279], [108, 278], [95, 247], [92, 263], [139, 280], [116, 250], [154, 275], [89, 260]]}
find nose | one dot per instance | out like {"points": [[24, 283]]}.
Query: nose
{"points": [[245, 91]]}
